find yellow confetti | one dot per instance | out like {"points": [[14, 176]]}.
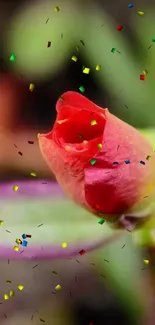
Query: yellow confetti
{"points": [[86, 70], [57, 9], [8, 281], [1, 222], [68, 148], [93, 122], [33, 174], [99, 145], [11, 293], [16, 248], [20, 287], [98, 67], [146, 262], [58, 287], [6, 297], [17, 241], [15, 188], [74, 58], [31, 87], [145, 72], [64, 245], [141, 13]]}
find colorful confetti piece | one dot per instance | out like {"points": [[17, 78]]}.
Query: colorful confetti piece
{"points": [[113, 50], [140, 13], [99, 146], [20, 287], [1, 222], [64, 245], [86, 70], [11, 293], [15, 188], [119, 28], [92, 161], [142, 77], [58, 287], [74, 58], [93, 122], [33, 174], [6, 296], [98, 67], [57, 9], [82, 89], [12, 57], [146, 262], [82, 252], [127, 161], [31, 87], [101, 221], [48, 44], [130, 5], [16, 248]]}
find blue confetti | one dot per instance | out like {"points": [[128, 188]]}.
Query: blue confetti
{"points": [[115, 163], [130, 5], [142, 162], [127, 161], [24, 243], [23, 236]]}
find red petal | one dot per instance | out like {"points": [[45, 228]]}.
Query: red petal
{"points": [[113, 189], [75, 99]]}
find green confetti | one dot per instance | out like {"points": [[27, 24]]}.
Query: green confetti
{"points": [[153, 39], [113, 49], [92, 161], [101, 221], [82, 89], [12, 57]]}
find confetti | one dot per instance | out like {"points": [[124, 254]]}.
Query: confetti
{"points": [[145, 72], [8, 281], [40, 225], [142, 77], [11, 293], [58, 287], [33, 174], [148, 157], [82, 89], [82, 252], [64, 245], [24, 243], [28, 236], [15, 188], [101, 221], [74, 58], [146, 262], [92, 161], [47, 20], [142, 162], [123, 246], [106, 260], [99, 146], [127, 161], [86, 70], [113, 49], [153, 39], [130, 5], [35, 266], [18, 241], [24, 236], [56, 9], [48, 44], [98, 67], [16, 248], [82, 42], [54, 272], [1, 222], [119, 28], [31, 87], [12, 57], [140, 13], [93, 122], [6, 296], [20, 287], [115, 163], [42, 320]]}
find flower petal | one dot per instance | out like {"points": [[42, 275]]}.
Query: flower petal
{"points": [[72, 98]]}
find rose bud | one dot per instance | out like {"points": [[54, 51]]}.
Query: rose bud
{"points": [[100, 161]]}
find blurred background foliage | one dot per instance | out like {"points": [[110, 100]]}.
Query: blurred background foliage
{"points": [[89, 31]]}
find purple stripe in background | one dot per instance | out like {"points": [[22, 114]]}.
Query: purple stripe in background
{"points": [[38, 188]]}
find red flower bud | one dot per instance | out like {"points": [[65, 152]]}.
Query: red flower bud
{"points": [[99, 160]]}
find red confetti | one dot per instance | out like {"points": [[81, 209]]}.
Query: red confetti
{"points": [[49, 44], [28, 236], [82, 252], [119, 28], [142, 77], [31, 142], [20, 153]]}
